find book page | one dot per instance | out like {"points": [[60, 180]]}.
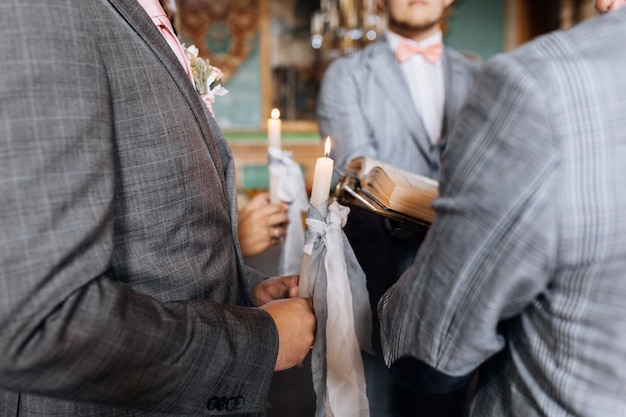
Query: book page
{"points": [[378, 183], [362, 165], [396, 189], [415, 198]]}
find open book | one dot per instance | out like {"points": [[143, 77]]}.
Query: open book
{"points": [[388, 190]]}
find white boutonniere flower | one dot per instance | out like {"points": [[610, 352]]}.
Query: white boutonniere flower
{"points": [[207, 78]]}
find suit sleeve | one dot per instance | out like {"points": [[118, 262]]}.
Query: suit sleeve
{"points": [[488, 253], [340, 113], [67, 330]]}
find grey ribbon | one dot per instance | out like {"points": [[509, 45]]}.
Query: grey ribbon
{"points": [[321, 224], [291, 190]]}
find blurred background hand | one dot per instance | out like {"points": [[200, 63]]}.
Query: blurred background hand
{"points": [[261, 224]]}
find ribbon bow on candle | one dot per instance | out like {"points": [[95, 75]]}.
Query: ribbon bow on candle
{"points": [[431, 52]]}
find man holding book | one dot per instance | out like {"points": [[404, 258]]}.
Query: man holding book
{"points": [[523, 270], [394, 101]]}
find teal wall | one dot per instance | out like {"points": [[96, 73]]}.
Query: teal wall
{"points": [[241, 107], [477, 26]]}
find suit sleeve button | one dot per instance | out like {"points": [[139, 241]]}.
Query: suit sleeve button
{"points": [[212, 404], [235, 403], [222, 403]]}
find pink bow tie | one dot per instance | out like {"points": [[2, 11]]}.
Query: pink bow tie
{"points": [[431, 52]]}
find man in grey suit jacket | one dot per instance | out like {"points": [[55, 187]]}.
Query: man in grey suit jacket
{"points": [[122, 286], [523, 272], [400, 113]]}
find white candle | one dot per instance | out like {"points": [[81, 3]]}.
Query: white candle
{"points": [[273, 145], [274, 130], [322, 177]]}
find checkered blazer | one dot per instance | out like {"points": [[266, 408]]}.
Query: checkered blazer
{"points": [[122, 289], [365, 106], [523, 272]]}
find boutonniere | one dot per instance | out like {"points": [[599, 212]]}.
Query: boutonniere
{"points": [[207, 78]]}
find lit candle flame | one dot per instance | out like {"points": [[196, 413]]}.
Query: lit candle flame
{"points": [[275, 114], [327, 147]]}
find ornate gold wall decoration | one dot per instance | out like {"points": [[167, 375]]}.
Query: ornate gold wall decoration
{"points": [[222, 30]]}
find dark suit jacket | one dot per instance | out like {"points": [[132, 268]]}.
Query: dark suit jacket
{"points": [[122, 289]]}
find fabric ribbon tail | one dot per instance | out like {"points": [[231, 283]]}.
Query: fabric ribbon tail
{"points": [[345, 321], [360, 299], [291, 253], [313, 239], [290, 189]]}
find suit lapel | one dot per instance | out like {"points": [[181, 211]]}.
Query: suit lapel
{"points": [[392, 82], [454, 79], [136, 17], [217, 146]]}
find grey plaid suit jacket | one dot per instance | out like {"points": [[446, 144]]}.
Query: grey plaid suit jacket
{"points": [[365, 105], [122, 289], [524, 269]]}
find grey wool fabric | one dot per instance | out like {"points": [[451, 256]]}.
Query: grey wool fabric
{"points": [[122, 287]]}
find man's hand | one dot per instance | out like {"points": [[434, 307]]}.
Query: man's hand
{"points": [[275, 288], [261, 225], [296, 324]]}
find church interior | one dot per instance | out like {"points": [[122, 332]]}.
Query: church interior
{"points": [[273, 54]]}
